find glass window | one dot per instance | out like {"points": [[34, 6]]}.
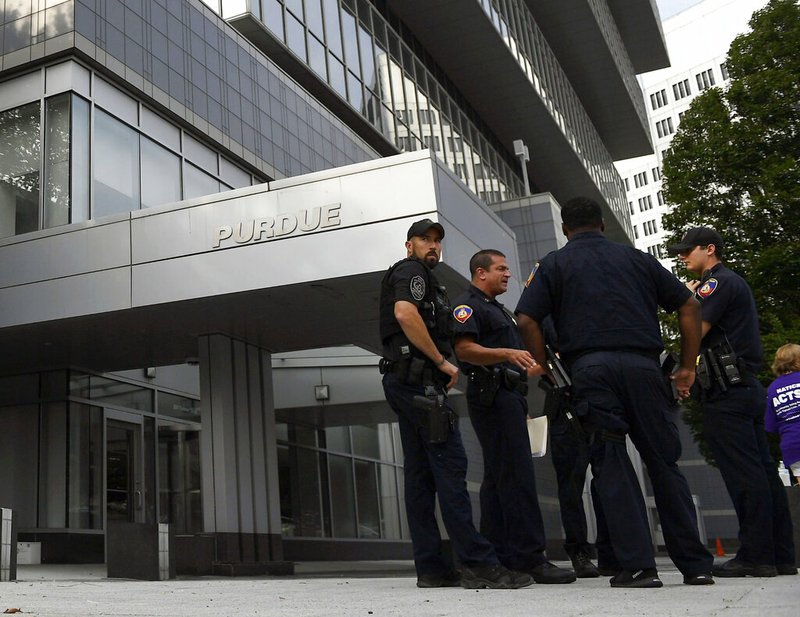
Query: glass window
{"points": [[110, 391], [56, 161], [80, 161], [369, 519], [296, 37], [350, 43], [197, 183], [273, 17], [116, 167], [343, 498], [333, 33], [84, 460], [337, 76], [389, 502], [178, 406], [179, 478], [52, 468], [18, 462], [365, 441], [161, 175], [314, 17], [19, 169], [316, 57], [337, 438]]}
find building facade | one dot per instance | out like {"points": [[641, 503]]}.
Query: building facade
{"points": [[197, 202], [698, 39]]}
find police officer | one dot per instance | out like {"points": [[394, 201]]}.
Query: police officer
{"points": [[603, 298], [491, 354], [732, 399], [416, 329]]}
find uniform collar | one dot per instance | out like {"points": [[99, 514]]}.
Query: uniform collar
{"points": [[477, 292], [586, 235]]}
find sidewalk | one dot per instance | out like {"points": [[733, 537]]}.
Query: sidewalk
{"points": [[380, 589]]}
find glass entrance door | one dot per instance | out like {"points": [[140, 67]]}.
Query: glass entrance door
{"points": [[124, 470]]}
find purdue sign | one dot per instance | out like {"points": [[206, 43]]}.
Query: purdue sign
{"points": [[269, 228]]}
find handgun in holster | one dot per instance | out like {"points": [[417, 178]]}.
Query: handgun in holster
{"points": [[436, 418], [558, 389]]}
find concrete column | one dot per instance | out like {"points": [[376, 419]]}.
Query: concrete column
{"points": [[239, 459]]}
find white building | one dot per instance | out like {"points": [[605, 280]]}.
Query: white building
{"points": [[697, 40]]}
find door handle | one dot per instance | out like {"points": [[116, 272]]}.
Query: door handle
{"points": [[137, 499]]}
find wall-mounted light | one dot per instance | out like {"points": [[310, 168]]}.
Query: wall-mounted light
{"points": [[150, 372], [322, 393]]}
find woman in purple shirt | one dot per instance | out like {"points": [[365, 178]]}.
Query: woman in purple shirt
{"points": [[783, 406]]}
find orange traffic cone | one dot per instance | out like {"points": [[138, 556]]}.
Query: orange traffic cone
{"points": [[720, 550]]}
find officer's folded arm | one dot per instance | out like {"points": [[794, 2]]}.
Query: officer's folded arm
{"points": [[468, 350]]}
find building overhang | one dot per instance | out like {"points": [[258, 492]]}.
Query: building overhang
{"points": [[477, 63], [137, 289], [483, 68], [604, 77], [639, 24]]}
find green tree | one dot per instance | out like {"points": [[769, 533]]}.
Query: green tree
{"points": [[734, 164]]}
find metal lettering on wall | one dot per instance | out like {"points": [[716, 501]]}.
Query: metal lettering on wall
{"points": [[286, 224]]}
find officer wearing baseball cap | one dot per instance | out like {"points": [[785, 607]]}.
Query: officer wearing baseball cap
{"points": [[416, 327], [733, 402]]}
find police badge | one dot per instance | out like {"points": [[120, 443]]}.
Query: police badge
{"points": [[417, 287]]}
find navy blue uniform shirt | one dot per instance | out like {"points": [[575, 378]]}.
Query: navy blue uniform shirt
{"points": [[602, 296], [727, 304], [484, 318]]}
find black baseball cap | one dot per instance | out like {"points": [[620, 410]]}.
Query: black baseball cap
{"points": [[420, 227], [697, 236]]}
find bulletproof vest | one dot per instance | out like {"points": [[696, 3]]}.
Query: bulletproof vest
{"points": [[434, 308]]}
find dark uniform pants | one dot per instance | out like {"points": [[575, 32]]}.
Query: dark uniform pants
{"points": [[510, 514], [570, 455], [734, 428], [626, 394], [430, 469]]}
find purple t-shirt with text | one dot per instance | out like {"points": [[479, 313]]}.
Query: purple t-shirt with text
{"points": [[783, 414]]}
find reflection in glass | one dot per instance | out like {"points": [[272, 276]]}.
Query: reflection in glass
{"points": [[161, 175], [84, 465], [56, 161], [116, 166], [179, 477], [110, 391], [178, 406], [20, 144], [303, 481], [197, 183]]}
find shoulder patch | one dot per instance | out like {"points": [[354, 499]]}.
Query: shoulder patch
{"points": [[462, 313], [532, 274], [707, 288], [417, 287]]}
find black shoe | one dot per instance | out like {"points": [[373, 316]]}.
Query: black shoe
{"points": [[641, 579], [785, 569], [438, 579], [583, 566], [493, 577], [734, 568], [548, 573], [698, 579]]}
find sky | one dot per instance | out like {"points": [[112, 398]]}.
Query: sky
{"points": [[668, 8]]}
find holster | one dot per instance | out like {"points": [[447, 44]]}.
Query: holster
{"points": [[435, 417]]}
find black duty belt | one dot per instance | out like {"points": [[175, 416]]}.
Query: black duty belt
{"points": [[496, 376]]}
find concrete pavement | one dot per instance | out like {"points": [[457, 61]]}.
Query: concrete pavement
{"points": [[380, 589]]}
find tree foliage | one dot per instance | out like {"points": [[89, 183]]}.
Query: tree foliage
{"points": [[734, 165]]}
